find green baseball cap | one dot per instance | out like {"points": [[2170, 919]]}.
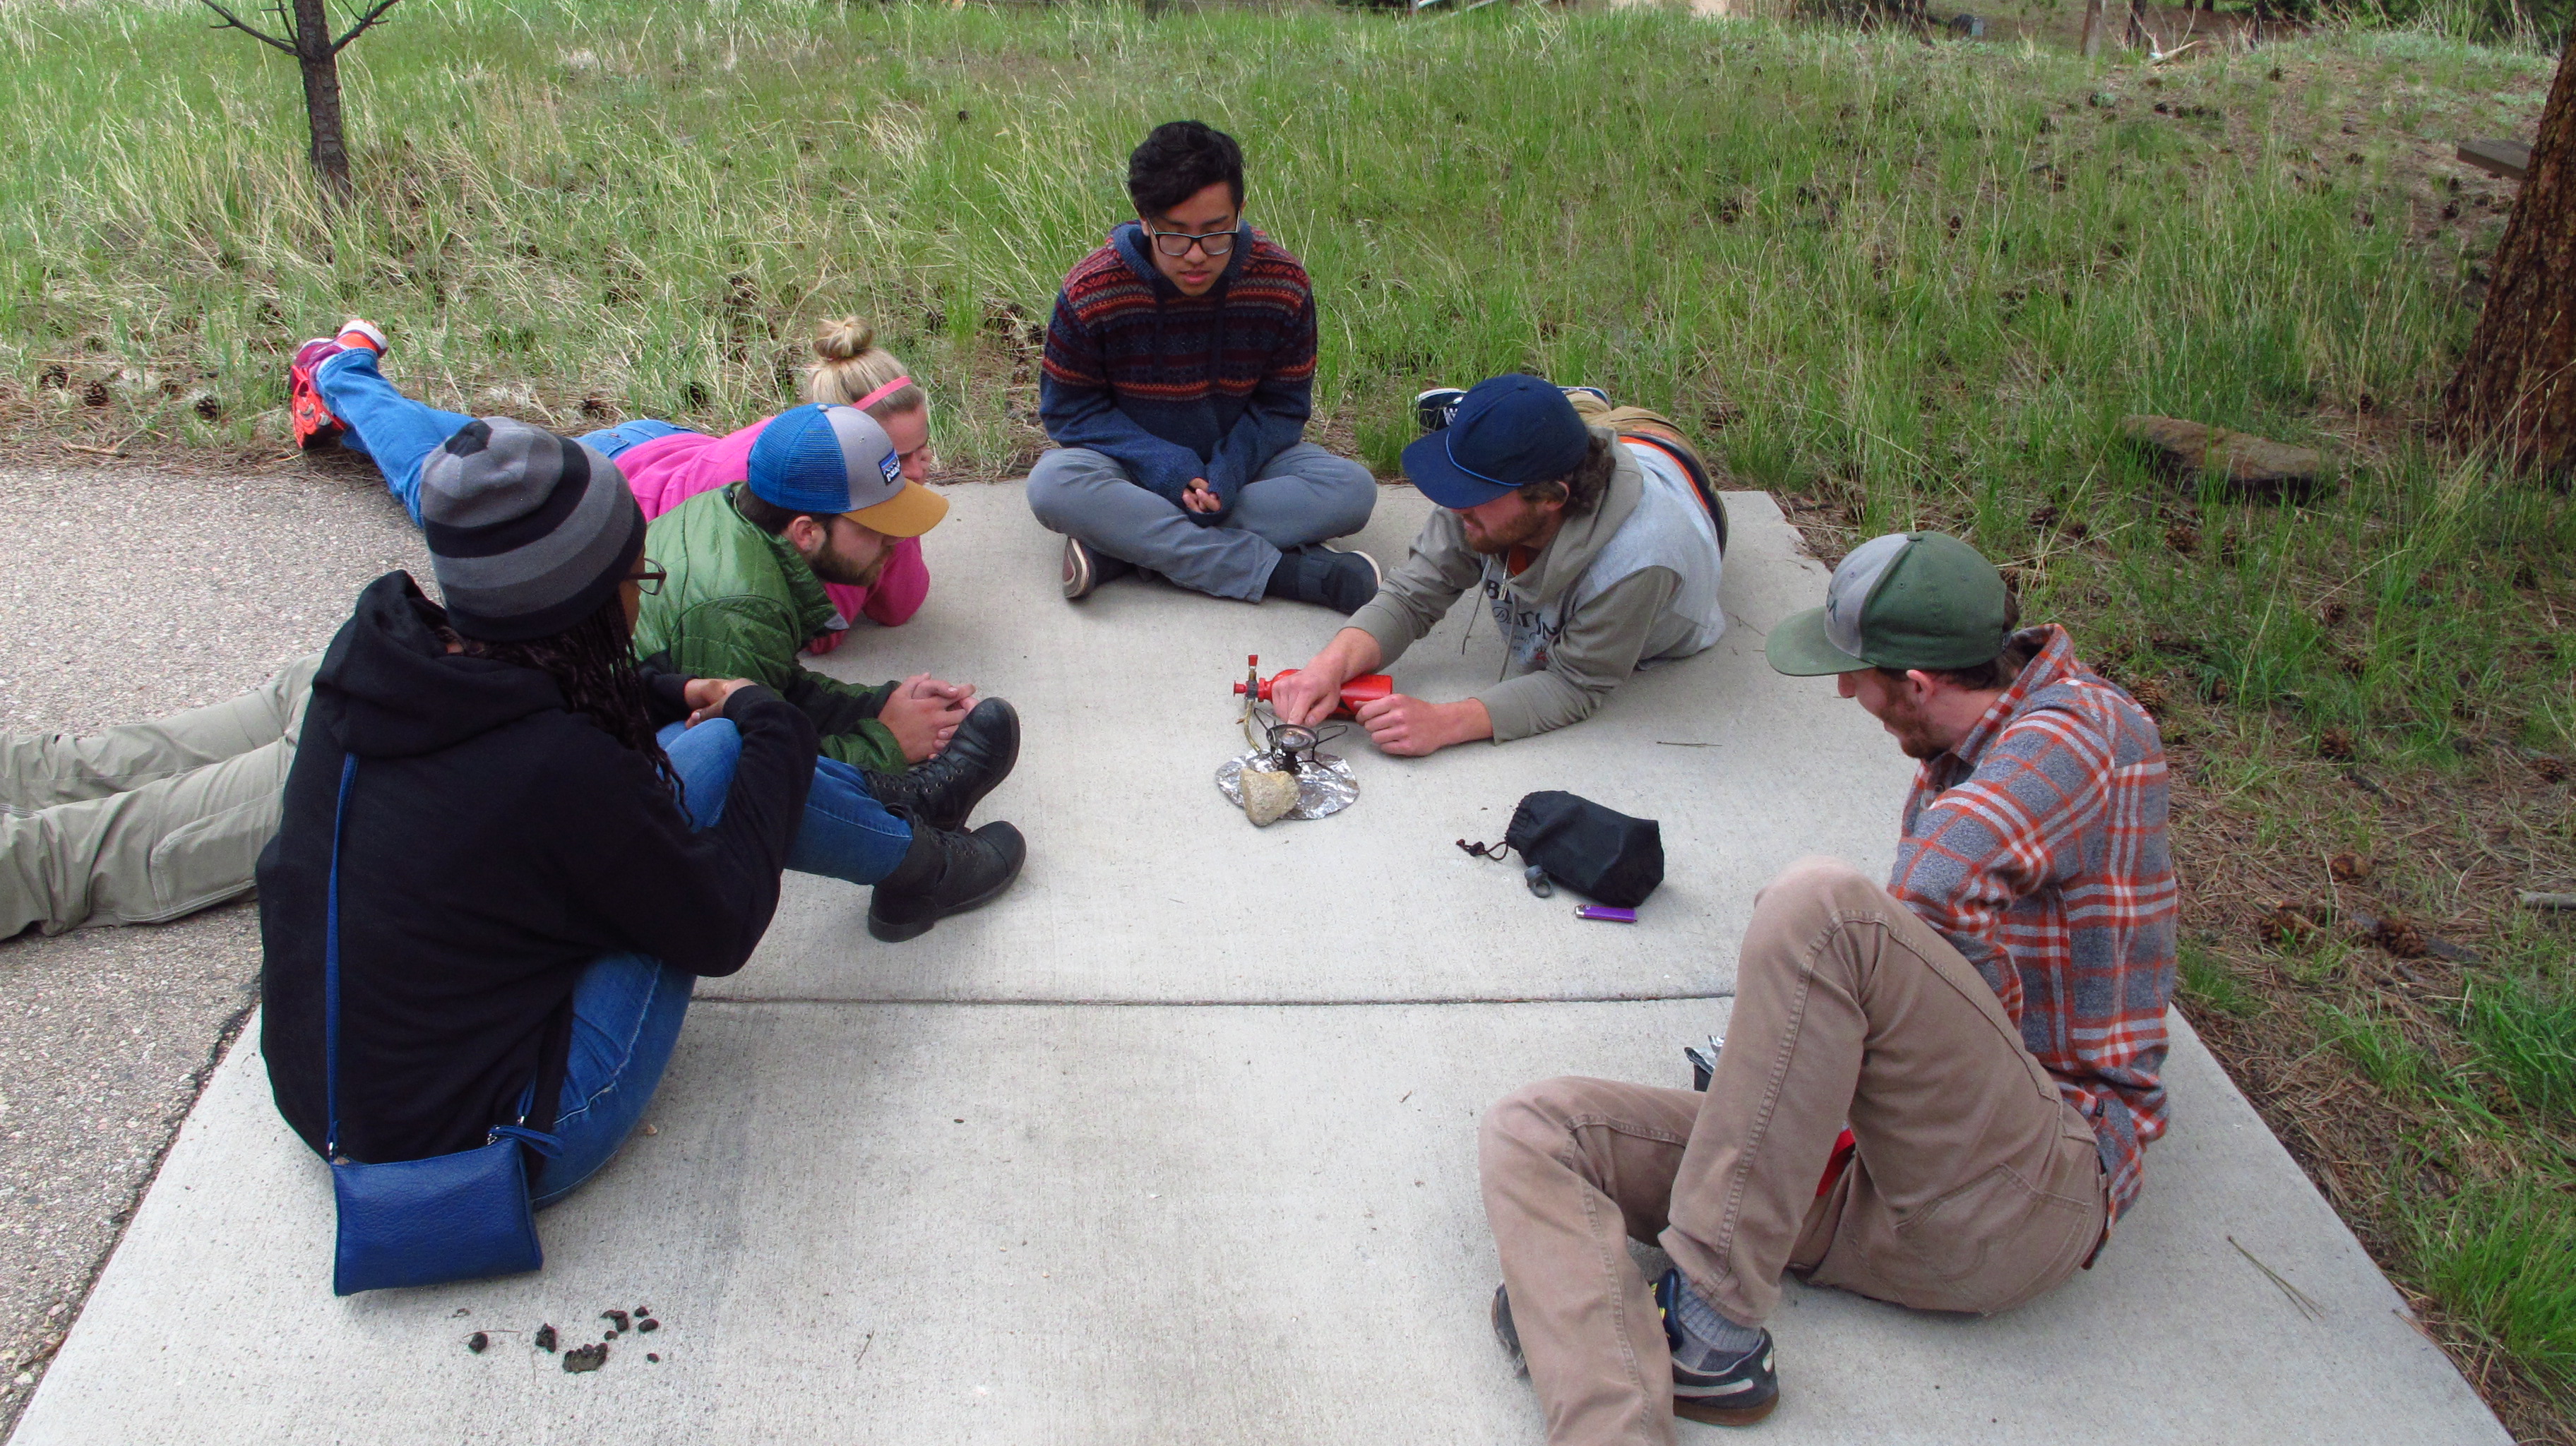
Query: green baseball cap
{"points": [[1906, 600]]}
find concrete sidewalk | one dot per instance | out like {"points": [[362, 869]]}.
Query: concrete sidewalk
{"points": [[1177, 1142], [1128, 710]]}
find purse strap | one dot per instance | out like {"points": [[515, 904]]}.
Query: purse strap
{"points": [[331, 965], [538, 1140]]}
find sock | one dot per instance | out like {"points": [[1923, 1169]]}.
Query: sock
{"points": [[1708, 1338]]}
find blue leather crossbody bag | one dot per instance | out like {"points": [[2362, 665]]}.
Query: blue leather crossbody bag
{"points": [[463, 1216]]}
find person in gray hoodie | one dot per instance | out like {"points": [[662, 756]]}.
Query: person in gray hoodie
{"points": [[1596, 553]]}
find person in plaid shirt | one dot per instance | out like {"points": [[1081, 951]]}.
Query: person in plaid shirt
{"points": [[1989, 1025]]}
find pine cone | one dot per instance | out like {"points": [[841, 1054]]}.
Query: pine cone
{"points": [[2398, 935]]}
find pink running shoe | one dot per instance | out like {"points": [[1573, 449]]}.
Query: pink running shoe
{"points": [[305, 410]]}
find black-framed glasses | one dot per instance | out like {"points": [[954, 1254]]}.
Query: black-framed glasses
{"points": [[1177, 243], [649, 581]]}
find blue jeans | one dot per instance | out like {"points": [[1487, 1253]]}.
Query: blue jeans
{"points": [[846, 834], [609, 441], [627, 1008], [626, 1012], [382, 423]]}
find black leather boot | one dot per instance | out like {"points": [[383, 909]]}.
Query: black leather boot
{"points": [[944, 873], [945, 790]]}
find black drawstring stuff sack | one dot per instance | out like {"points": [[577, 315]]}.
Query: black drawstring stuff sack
{"points": [[1595, 851]]}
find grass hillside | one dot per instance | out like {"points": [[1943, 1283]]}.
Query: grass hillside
{"points": [[1893, 282]]}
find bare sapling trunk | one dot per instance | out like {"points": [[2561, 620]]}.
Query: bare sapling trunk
{"points": [[307, 36], [2093, 29], [320, 61], [2516, 388]]}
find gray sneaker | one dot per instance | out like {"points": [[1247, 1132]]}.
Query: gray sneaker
{"points": [[1086, 567], [1735, 1391]]}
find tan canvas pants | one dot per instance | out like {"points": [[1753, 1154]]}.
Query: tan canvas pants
{"points": [[1975, 1186], [148, 821]]}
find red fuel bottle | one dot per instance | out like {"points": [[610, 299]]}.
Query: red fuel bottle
{"points": [[1366, 688]]}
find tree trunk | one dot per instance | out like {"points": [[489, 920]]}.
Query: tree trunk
{"points": [[2516, 388], [2092, 29], [321, 66]]}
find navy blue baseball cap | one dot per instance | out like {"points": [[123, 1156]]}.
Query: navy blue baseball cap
{"points": [[1510, 431], [827, 459]]}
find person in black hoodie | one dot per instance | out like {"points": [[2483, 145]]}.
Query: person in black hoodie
{"points": [[528, 888]]}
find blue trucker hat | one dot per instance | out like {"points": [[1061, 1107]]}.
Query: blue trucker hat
{"points": [[1510, 431], [827, 459]]}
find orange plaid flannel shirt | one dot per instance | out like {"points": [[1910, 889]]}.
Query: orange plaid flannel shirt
{"points": [[2037, 848]]}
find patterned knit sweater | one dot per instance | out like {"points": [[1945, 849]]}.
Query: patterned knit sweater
{"points": [[1175, 387]]}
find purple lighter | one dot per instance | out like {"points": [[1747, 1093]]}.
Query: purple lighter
{"points": [[1606, 914]]}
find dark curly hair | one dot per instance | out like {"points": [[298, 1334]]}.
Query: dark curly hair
{"points": [[593, 662], [1178, 160], [1580, 489]]}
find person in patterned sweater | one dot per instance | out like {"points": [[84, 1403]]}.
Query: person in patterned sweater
{"points": [[1180, 370], [1936, 1093]]}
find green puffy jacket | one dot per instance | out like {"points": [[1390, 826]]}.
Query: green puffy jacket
{"points": [[740, 604]]}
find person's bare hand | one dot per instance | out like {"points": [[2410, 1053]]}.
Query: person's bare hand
{"points": [[1305, 697], [921, 720], [706, 697], [1199, 496], [961, 694], [1405, 726]]}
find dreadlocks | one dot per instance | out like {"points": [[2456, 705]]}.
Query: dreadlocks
{"points": [[593, 662]]}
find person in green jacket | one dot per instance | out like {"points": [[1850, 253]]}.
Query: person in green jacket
{"points": [[824, 500]]}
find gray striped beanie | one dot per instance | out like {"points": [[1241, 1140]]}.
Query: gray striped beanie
{"points": [[528, 532]]}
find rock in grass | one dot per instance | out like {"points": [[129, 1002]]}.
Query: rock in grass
{"points": [[1267, 795], [2255, 467]]}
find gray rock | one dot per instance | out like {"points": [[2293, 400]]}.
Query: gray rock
{"points": [[1268, 795], [2255, 467]]}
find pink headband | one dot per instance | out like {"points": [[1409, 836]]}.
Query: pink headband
{"points": [[881, 393]]}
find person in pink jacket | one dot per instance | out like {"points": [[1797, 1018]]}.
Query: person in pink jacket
{"points": [[667, 465]]}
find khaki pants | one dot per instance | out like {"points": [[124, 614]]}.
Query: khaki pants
{"points": [[148, 821], [1975, 1187]]}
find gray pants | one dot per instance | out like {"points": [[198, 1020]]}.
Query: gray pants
{"points": [[148, 821], [1304, 495]]}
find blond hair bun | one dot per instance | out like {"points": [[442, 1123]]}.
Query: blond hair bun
{"points": [[851, 365], [844, 339]]}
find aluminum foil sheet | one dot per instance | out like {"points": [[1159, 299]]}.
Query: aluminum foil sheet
{"points": [[1324, 782]]}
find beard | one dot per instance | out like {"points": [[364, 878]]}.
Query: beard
{"points": [[1912, 731], [832, 567], [1508, 536]]}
